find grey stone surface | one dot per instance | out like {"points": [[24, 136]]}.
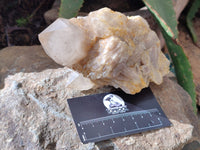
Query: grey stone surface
{"points": [[34, 112], [23, 59], [34, 115], [176, 104]]}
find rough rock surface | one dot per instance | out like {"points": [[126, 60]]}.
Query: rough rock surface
{"points": [[110, 49], [23, 59], [34, 115], [34, 112], [176, 104]]}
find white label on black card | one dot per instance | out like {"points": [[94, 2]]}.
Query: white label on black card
{"points": [[108, 115]]}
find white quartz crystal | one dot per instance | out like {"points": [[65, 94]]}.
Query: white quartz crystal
{"points": [[108, 48]]}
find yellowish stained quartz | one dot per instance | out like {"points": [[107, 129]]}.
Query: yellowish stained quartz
{"points": [[108, 48]]}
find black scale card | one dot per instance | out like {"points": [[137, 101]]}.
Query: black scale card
{"points": [[108, 115]]}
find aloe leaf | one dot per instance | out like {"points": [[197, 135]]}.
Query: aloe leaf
{"points": [[191, 13], [164, 13], [70, 8], [165, 16], [182, 68]]}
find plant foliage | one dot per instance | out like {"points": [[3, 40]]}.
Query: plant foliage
{"points": [[182, 68], [70, 8], [21, 22], [165, 15], [191, 13]]}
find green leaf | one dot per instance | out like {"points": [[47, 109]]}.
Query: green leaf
{"points": [[164, 13], [182, 68], [192, 11], [70, 8], [165, 16], [21, 22]]}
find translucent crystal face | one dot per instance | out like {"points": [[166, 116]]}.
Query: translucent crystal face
{"points": [[108, 48]]}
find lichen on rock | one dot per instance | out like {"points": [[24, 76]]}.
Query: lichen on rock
{"points": [[108, 48]]}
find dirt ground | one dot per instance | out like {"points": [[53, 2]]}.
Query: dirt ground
{"points": [[21, 21]]}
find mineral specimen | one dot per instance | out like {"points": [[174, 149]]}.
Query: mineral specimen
{"points": [[109, 48]]}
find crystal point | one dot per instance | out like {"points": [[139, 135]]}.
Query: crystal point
{"points": [[108, 48]]}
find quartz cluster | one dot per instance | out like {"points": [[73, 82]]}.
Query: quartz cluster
{"points": [[109, 48]]}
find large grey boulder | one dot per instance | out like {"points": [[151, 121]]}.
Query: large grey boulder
{"points": [[34, 115]]}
